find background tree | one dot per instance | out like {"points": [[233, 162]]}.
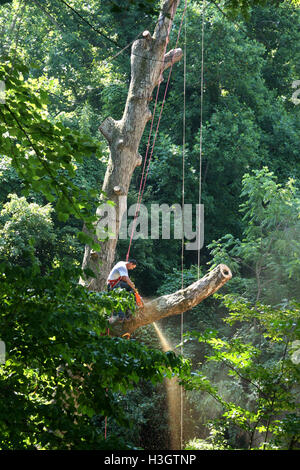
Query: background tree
{"points": [[268, 253]]}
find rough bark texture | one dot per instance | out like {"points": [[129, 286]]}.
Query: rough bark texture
{"points": [[176, 303], [148, 60]]}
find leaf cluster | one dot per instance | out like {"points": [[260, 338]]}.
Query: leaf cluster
{"points": [[273, 384], [44, 153], [62, 370]]}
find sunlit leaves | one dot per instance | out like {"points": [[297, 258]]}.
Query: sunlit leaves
{"points": [[277, 322], [235, 353], [43, 152], [272, 383], [62, 369], [26, 232], [269, 250]]}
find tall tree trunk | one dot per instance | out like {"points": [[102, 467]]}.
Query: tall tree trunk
{"points": [[148, 61]]}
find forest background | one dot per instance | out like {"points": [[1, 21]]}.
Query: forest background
{"points": [[65, 69]]}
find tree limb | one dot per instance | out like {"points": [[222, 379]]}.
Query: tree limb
{"points": [[176, 303]]}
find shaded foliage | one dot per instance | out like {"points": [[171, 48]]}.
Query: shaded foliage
{"points": [[62, 370]]}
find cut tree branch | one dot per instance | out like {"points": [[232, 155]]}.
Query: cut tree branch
{"points": [[176, 303]]}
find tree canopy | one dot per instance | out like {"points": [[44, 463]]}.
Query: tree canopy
{"points": [[65, 67]]}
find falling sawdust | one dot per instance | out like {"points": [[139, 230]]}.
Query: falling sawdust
{"points": [[173, 397]]}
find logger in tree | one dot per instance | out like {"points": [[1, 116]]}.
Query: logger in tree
{"points": [[118, 276], [119, 279]]}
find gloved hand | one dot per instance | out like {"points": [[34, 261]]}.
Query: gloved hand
{"points": [[138, 299]]}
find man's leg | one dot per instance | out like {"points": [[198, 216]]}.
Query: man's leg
{"points": [[121, 285], [114, 317], [124, 285]]}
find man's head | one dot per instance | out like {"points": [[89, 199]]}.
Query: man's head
{"points": [[131, 263]]}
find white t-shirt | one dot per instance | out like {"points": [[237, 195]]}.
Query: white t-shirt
{"points": [[120, 269]]}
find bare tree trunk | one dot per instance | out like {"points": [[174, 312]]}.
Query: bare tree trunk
{"points": [[148, 61], [176, 303]]}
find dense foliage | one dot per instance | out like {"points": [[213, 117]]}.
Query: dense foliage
{"points": [[63, 371], [66, 66]]}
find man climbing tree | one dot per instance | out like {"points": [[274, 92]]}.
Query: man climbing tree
{"points": [[118, 276], [119, 279]]}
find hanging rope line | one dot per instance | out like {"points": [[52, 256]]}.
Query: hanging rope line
{"points": [[143, 179], [201, 129], [145, 175], [182, 202], [183, 181], [105, 420], [183, 152]]}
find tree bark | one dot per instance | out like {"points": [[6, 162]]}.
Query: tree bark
{"points": [[148, 60], [176, 303]]}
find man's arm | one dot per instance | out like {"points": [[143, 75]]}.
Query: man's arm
{"points": [[129, 282]]}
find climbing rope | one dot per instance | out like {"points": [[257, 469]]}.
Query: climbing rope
{"points": [[201, 126], [182, 235], [105, 420], [183, 183], [145, 175]]}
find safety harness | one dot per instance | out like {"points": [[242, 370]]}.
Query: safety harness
{"points": [[113, 282]]}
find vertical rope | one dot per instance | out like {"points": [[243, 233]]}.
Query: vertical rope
{"points": [[183, 200], [105, 420], [201, 126], [144, 177]]}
